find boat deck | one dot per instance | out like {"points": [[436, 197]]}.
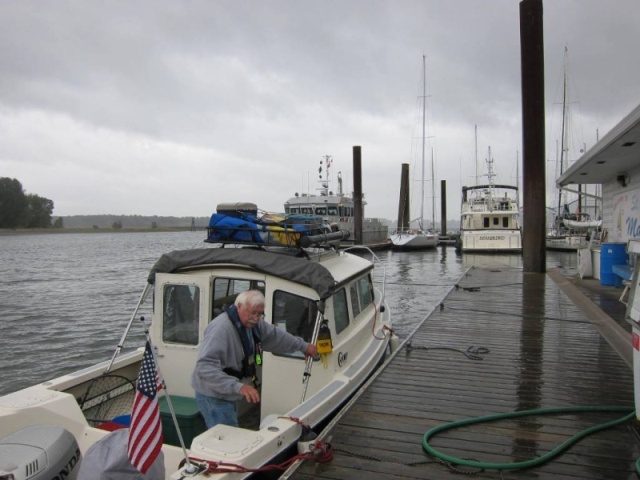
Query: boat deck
{"points": [[503, 341]]}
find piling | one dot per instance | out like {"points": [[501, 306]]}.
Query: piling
{"points": [[533, 135], [357, 195]]}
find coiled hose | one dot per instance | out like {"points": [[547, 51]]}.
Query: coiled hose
{"points": [[523, 413]]}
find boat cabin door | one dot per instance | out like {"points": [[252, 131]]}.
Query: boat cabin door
{"points": [[181, 312]]}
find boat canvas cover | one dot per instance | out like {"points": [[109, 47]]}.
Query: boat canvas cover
{"points": [[295, 269]]}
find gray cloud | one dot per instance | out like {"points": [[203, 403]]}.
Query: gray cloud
{"points": [[160, 107]]}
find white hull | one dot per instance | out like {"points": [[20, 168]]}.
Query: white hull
{"points": [[507, 241], [414, 241], [566, 242]]}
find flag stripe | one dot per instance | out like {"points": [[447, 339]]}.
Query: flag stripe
{"points": [[145, 432]]}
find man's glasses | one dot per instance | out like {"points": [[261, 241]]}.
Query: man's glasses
{"points": [[258, 315]]}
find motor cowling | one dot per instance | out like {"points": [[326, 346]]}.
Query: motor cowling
{"points": [[42, 452]]}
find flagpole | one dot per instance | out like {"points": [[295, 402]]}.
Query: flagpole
{"points": [[189, 468], [143, 297]]}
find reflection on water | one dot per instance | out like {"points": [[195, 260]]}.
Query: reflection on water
{"points": [[487, 260]]}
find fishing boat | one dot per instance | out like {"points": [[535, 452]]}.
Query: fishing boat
{"points": [[406, 237], [490, 217], [338, 209], [331, 297], [571, 230]]}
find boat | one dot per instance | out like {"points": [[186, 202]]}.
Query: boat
{"points": [[571, 231], [490, 217], [406, 237], [329, 296], [338, 210]]}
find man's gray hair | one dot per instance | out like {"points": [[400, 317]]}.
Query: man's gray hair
{"points": [[250, 298]]}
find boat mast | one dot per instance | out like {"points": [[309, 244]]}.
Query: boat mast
{"points": [[563, 138], [424, 103], [324, 182], [476, 146]]}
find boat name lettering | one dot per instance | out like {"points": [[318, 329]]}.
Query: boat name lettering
{"points": [[342, 358], [492, 237], [68, 468]]}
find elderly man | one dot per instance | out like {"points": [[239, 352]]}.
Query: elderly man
{"points": [[232, 345]]}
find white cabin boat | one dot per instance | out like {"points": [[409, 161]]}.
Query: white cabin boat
{"points": [[490, 219], [304, 288], [338, 210]]}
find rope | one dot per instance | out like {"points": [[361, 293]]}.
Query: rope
{"points": [[535, 461], [473, 353]]}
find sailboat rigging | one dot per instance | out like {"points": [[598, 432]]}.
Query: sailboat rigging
{"points": [[404, 237], [569, 230]]}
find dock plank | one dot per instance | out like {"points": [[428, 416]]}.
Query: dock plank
{"points": [[538, 350]]}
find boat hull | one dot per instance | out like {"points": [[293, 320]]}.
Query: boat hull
{"points": [[499, 241], [413, 241]]}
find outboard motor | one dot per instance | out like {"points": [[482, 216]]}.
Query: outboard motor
{"points": [[43, 452]]}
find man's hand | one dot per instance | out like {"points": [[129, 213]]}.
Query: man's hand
{"points": [[311, 351], [250, 394]]}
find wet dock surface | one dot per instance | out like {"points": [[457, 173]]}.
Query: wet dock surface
{"points": [[503, 341]]}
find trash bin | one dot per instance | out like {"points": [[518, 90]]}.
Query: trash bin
{"points": [[612, 254]]}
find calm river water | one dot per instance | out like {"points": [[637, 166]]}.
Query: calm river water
{"points": [[66, 299]]}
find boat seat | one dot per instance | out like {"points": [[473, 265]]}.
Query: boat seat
{"points": [[625, 272]]}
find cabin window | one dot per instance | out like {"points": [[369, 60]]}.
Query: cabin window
{"points": [[306, 210], [294, 210], [365, 292], [225, 291], [181, 307], [333, 211], [505, 222], [496, 221], [355, 304], [321, 210], [486, 222], [340, 310], [295, 314]]}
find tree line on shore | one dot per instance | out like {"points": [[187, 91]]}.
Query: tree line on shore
{"points": [[19, 209], [22, 210]]}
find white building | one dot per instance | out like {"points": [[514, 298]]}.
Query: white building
{"points": [[614, 163]]}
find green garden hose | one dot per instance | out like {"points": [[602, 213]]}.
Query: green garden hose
{"points": [[535, 461]]}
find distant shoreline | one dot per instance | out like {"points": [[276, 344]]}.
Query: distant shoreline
{"points": [[46, 231]]}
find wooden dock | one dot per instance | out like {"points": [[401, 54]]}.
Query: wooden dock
{"points": [[502, 341]]}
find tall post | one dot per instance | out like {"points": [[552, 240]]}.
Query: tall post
{"points": [[357, 195], [403, 204], [443, 207], [533, 135]]}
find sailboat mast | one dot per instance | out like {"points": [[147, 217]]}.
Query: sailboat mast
{"points": [[424, 108], [476, 147], [563, 138]]}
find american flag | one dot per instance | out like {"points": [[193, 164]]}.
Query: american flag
{"points": [[145, 432]]}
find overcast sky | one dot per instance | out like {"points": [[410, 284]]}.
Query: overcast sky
{"points": [[171, 107]]}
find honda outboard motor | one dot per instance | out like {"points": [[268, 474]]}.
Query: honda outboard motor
{"points": [[44, 452]]}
